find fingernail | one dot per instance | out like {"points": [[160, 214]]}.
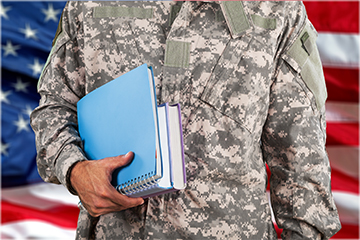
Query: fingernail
{"points": [[129, 153]]}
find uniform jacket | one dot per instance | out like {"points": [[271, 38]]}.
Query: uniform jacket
{"points": [[250, 83]]}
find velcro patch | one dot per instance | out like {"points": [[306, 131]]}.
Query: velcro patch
{"points": [[266, 23], [109, 11], [177, 54], [306, 43], [307, 61]]}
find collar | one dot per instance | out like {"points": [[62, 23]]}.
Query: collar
{"points": [[233, 11], [234, 14]]}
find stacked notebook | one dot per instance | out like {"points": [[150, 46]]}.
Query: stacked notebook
{"points": [[123, 116]]}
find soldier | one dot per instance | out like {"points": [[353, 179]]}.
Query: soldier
{"points": [[249, 80]]}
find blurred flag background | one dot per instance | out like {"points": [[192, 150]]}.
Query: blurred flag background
{"points": [[32, 209]]}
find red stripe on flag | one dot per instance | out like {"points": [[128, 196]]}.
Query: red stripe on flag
{"points": [[342, 84], [342, 182], [64, 216], [340, 134], [334, 16], [347, 231]]}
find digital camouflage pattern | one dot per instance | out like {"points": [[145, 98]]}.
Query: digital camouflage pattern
{"points": [[250, 83]]}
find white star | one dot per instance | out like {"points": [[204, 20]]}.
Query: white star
{"points": [[20, 86], [29, 32], [10, 49], [4, 10], [36, 67], [21, 124], [28, 110], [4, 148], [51, 13], [4, 95]]}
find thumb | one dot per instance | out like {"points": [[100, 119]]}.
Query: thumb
{"points": [[119, 161]]}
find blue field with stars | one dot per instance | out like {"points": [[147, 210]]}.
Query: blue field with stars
{"points": [[27, 31]]}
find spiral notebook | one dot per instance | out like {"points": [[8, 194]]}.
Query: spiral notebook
{"points": [[122, 116]]}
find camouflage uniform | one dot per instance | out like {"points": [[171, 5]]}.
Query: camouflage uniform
{"points": [[252, 91]]}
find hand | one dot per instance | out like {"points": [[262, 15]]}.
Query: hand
{"points": [[92, 182]]}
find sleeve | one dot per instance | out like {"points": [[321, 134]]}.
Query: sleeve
{"points": [[61, 85], [293, 143]]}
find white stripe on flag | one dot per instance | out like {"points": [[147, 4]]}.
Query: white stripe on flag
{"points": [[348, 206], [342, 112], [39, 196], [339, 50], [35, 230], [344, 159]]}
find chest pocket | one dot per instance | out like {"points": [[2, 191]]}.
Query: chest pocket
{"points": [[303, 57], [120, 38], [238, 85], [109, 44]]}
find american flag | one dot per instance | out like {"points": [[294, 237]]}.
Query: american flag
{"points": [[32, 209]]}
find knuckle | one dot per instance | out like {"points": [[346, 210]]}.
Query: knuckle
{"points": [[103, 193], [97, 204]]}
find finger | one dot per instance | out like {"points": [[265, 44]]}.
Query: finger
{"points": [[123, 200], [110, 193], [112, 203], [128, 202], [112, 163], [119, 161]]}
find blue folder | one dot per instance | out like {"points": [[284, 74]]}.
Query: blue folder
{"points": [[119, 117]]}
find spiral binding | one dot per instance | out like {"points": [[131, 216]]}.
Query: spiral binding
{"points": [[134, 185]]}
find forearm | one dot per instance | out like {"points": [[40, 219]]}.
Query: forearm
{"points": [[57, 140]]}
